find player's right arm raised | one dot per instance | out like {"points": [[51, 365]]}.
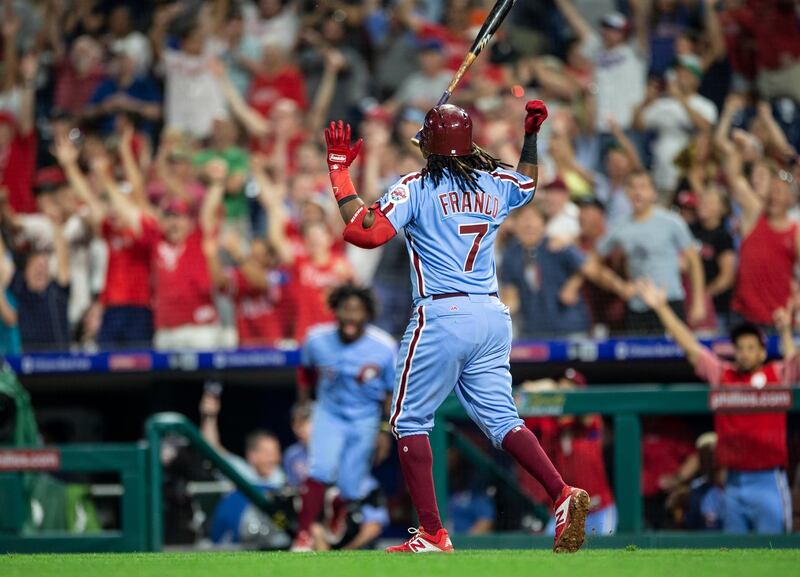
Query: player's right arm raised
{"points": [[535, 115]]}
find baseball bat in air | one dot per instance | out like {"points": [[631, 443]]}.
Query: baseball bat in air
{"points": [[493, 21]]}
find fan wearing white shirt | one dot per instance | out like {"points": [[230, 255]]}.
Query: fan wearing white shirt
{"points": [[674, 117], [193, 98], [618, 53], [273, 22]]}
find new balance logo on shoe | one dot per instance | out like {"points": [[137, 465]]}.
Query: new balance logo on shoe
{"points": [[422, 542], [561, 512], [420, 546]]}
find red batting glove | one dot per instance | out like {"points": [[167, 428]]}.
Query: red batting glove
{"points": [[536, 114], [340, 153]]}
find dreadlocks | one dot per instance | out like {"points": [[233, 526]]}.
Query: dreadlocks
{"points": [[461, 169]]}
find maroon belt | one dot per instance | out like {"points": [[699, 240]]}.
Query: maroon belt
{"points": [[452, 295]]}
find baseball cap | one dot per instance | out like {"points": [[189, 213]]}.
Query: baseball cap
{"points": [[687, 199], [574, 376], [378, 114], [414, 115], [430, 44], [49, 178], [178, 208], [557, 184], [137, 48], [7, 118], [691, 63], [615, 21]]}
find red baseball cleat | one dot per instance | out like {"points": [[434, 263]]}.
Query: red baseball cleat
{"points": [[422, 542], [303, 543], [571, 510]]}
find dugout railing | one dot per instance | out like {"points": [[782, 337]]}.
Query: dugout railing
{"points": [[128, 461], [140, 473], [624, 406]]}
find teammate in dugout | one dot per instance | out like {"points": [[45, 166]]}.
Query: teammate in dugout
{"points": [[459, 336], [751, 446], [352, 364], [575, 444]]}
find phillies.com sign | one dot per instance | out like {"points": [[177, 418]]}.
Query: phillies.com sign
{"points": [[739, 400]]}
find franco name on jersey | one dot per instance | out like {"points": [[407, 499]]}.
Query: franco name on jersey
{"points": [[469, 202]]}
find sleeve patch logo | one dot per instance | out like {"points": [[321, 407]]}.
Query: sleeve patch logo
{"points": [[399, 194]]}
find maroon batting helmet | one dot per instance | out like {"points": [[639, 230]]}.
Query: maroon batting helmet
{"points": [[447, 131]]}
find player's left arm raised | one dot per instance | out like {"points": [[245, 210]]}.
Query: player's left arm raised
{"points": [[535, 115], [364, 227]]}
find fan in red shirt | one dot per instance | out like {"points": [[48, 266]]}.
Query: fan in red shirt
{"points": [[736, 25], [752, 446], [257, 283], [78, 75], [454, 34], [127, 318], [276, 79], [288, 135], [18, 139], [17, 162], [770, 247], [316, 267], [773, 27], [577, 446], [314, 275], [185, 315], [286, 129], [129, 234], [312, 207], [668, 460], [259, 289]]}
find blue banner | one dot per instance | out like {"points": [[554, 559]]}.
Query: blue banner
{"points": [[543, 351]]}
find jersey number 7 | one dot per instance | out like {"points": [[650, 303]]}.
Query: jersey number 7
{"points": [[479, 230]]}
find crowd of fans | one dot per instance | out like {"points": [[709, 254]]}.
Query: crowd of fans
{"points": [[162, 176]]}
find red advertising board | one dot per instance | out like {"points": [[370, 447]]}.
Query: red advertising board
{"points": [[30, 460]]}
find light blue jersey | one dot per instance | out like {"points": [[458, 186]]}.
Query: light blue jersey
{"points": [[450, 233], [352, 384], [353, 378]]}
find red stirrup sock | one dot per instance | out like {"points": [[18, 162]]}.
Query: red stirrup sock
{"points": [[313, 500], [523, 445], [416, 461]]}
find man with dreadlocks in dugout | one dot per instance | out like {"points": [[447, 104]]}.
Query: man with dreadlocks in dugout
{"points": [[459, 336]]}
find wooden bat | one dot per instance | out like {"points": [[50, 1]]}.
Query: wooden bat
{"points": [[493, 21]]}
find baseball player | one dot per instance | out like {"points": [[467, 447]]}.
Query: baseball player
{"points": [[459, 336], [352, 364]]}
